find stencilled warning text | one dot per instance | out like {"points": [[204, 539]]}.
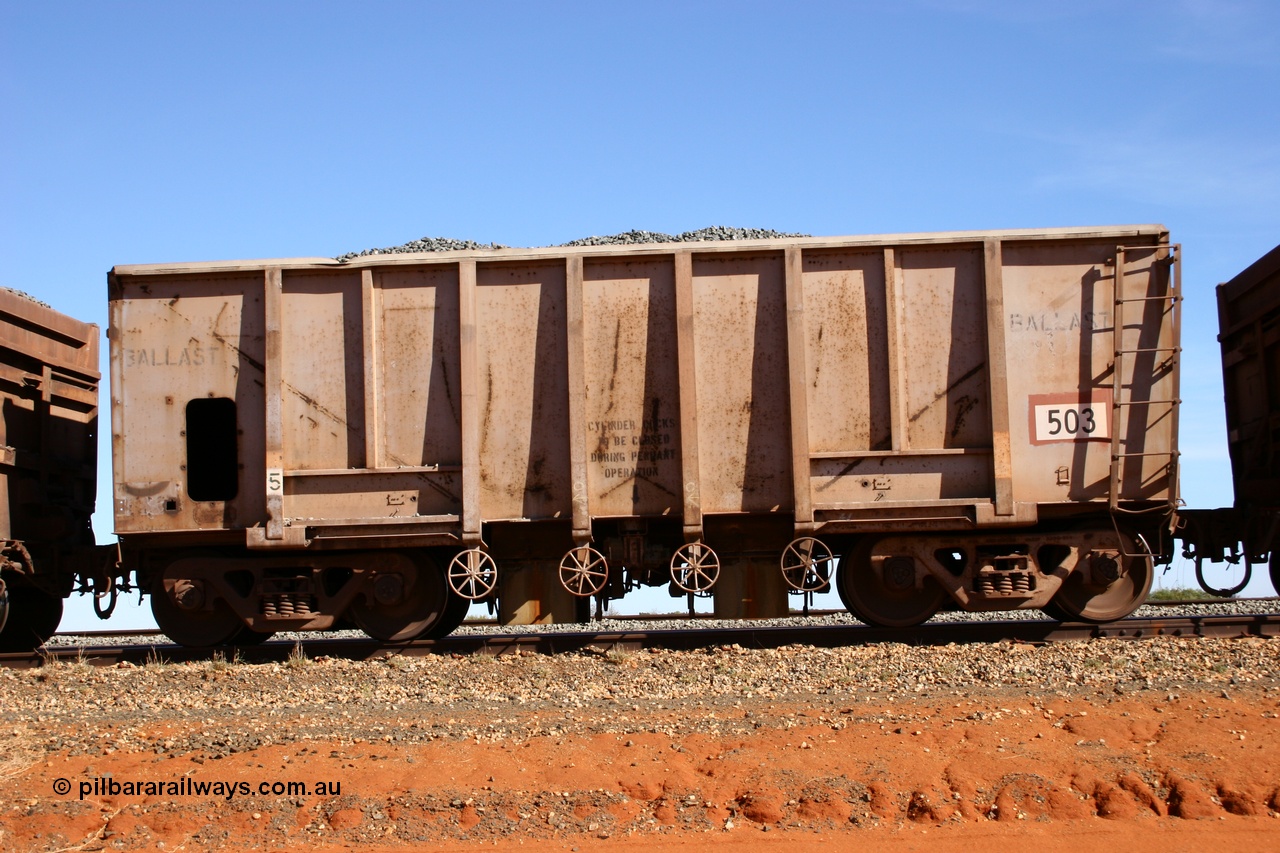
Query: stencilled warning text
{"points": [[1059, 321], [170, 356], [627, 449]]}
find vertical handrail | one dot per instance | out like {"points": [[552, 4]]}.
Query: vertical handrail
{"points": [[1172, 296], [1117, 375]]}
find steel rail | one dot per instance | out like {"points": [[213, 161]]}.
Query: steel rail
{"points": [[678, 617], [678, 639]]}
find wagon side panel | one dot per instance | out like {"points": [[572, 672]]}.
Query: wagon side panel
{"points": [[1058, 331], [328, 369], [522, 385], [418, 400], [1249, 321], [322, 376], [743, 408], [847, 352], [943, 324], [1069, 411], [189, 353], [48, 424], [632, 392], [903, 415]]}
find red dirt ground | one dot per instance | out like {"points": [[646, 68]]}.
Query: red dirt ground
{"points": [[1148, 771]]}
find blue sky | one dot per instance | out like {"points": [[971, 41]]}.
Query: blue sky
{"points": [[140, 132]]}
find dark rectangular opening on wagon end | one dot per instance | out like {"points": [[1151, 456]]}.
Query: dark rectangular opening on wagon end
{"points": [[213, 456]]}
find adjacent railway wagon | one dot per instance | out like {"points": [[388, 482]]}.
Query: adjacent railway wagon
{"points": [[983, 420], [48, 467], [1249, 333]]}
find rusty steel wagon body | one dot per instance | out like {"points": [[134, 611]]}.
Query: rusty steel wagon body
{"points": [[48, 466], [986, 420], [1249, 334]]}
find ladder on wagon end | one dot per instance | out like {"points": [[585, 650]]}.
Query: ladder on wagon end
{"points": [[1169, 256]]}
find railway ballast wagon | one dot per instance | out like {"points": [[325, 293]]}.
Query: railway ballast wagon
{"points": [[48, 468], [984, 420], [1249, 335]]}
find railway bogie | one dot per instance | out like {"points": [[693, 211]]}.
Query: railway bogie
{"points": [[211, 597], [1081, 574]]}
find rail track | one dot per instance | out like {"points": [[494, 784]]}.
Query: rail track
{"points": [[501, 642]]}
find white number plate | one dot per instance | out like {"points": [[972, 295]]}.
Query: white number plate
{"points": [[275, 481], [1067, 417]]}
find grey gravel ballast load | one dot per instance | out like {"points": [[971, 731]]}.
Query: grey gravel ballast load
{"points": [[713, 233]]}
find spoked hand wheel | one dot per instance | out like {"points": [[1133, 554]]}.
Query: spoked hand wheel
{"points": [[584, 571], [473, 574], [695, 568], [806, 565]]}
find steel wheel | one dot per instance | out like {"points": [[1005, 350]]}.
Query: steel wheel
{"points": [[1054, 612], [1106, 602], [246, 636], [806, 565], [473, 574], [584, 571], [695, 567], [201, 625], [33, 617], [891, 597], [4, 607], [454, 612], [402, 605]]}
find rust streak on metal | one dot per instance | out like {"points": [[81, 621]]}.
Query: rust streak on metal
{"points": [[966, 376]]}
